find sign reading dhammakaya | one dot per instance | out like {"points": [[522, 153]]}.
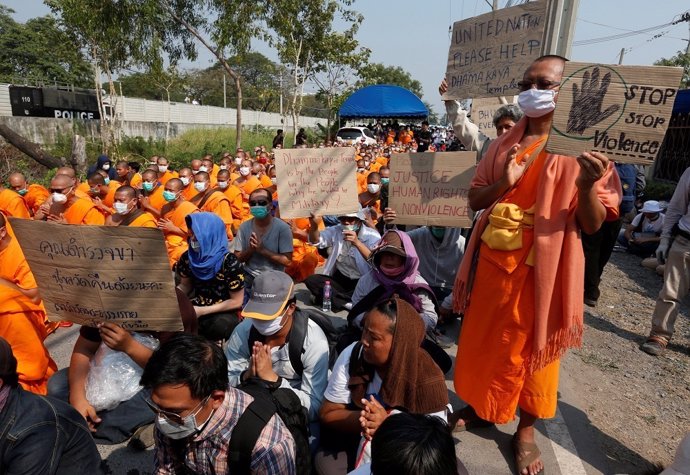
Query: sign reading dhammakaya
{"points": [[94, 274], [431, 188], [317, 181], [621, 111], [489, 53]]}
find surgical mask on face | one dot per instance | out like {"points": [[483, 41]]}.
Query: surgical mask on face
{"points": [[121, 208], [238, 160], [268, 327], [200, 186], [351, 227], [437, 231], [169, 196], [194, 172], [244, 171], [223, 167], [184, 180], [385, 181], [373, 188], [147, 186], [222, 185], [274, 180], [194, 244], [59, 198], [537, 102], [106, 166], [360, 170], [162, 168], [22, 192], [259, 211], [188, 427], [106, 180], [94, 191], [203, 168]]}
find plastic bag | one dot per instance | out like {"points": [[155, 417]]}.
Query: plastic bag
{"points": [[114, 376]]}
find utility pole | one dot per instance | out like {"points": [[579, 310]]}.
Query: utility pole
{"points": [[225, 99], [620, 58], [560, 26]]}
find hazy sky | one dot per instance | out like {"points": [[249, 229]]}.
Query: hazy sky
{"points": [[414, 34]]}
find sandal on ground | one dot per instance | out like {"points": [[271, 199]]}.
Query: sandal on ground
{"points": [[469, 417], [525, 453], [655, 345]]}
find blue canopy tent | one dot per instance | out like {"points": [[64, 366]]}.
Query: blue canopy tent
{"points": [[383, 101]]}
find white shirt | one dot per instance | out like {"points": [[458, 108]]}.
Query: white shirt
{"points": [[333, 237], [648, 227]]}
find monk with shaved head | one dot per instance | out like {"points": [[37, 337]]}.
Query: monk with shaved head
{"points": [[172, 221], [34, 195], [212, 200], [127, 212], [11, 204], [66, 207], [151, 198]]}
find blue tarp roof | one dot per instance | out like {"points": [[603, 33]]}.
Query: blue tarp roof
{"points": [[682, 104], [383, 101]]}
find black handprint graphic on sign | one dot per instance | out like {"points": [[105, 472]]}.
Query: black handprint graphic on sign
{"points": [[587, 102]]}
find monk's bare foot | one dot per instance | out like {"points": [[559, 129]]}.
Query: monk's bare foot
{"points": [[527, 455], [466, 419]]}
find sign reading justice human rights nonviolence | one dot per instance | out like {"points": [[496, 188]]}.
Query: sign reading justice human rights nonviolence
{"points": [[431, 188], [316, 181], [489, 53], [94, 274], [622, 111]]}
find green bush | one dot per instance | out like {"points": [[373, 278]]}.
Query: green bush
{"points": [[659, 190]]}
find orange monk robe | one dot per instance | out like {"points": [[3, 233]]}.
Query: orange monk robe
{"points": [[83, 211], [177, 245], [189, 191], [234, 176], [265, 181], [219, 204], [234, 195], [383, 161], [35, 197], [362, 182], [252, 183], [214, 172], [109, 199], [167, 176], [11, 204], [156, 198], [375, 167], [144, 220], [305, 257], [22, 322], [391, 137], [84, 188], [136, 181]]}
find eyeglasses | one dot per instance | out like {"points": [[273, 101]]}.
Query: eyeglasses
{"points": [[541, 84], [59, 190], [172, 416], [258, 203]]}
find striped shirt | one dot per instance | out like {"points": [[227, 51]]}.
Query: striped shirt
{"points": [[206, 453]]}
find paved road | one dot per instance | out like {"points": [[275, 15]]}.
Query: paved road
{"points": [[569, 444]]}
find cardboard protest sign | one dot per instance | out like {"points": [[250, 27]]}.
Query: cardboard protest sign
{"points": [[622, 111], [483, 110], [316, 180], [431, 188], [94, 274], [489, 53]]}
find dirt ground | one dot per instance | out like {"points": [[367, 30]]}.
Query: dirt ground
{"points": [[639, 403]]}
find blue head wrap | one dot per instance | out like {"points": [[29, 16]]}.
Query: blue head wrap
{"points": [[209, 230]]}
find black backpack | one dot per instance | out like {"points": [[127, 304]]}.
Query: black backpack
{"points": [[268, 402], [298, 333]]}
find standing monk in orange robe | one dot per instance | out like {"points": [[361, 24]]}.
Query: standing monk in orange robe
{"points": [[22, 316], [66, 207], [212, 200], [127, 212], [172, 221], [520, 283], [34, 195]]}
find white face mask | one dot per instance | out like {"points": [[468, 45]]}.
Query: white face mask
{"points": [[200, 186], [268, 327], [244, 171], [238, 160], [184, 180], [121, 208], [373, 188], [274, 180], [203, 168], [222, 185], [162, 168], [223, 167], [59, 198], [106, 166], [196, 171], [537, 102]]}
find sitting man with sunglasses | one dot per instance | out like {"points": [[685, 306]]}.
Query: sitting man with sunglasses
{"points": [[65, 207], [197, 412], [264, 242]]}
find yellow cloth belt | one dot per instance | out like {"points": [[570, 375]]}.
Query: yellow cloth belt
{"points": [[505, 229]]}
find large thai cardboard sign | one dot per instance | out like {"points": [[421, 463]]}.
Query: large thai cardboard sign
{"points": [[94, 274], [319, 181], [489, 53], [431, 188], [622, 111]]}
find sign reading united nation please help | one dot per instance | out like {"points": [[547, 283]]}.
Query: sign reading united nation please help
{"points": [[94, 274], [621, 111]]}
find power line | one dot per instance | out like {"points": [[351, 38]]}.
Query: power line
{"points": [[619, 29], [677, 19]]}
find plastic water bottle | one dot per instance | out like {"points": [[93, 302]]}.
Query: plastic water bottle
{"points": [[326, 297]]}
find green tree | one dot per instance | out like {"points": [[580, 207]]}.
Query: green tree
{"points": [[378, 73], [680, 59], [41, 51]]}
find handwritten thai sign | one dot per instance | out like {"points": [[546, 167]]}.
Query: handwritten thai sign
{"points": [[622, 111], [93, 274], [483, 110], [317, 180], [431, 188], [489, 53]]}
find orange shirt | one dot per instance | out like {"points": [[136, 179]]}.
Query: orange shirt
{"points": [[177, 245], [83, 211], [35, 197], [11, 204]]}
